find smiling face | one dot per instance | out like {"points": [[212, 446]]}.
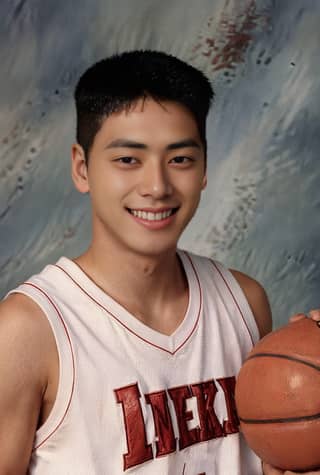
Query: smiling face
{"points": [[145, 175]]}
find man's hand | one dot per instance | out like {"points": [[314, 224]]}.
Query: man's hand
{"points": [[314, 314], [269, 470]]}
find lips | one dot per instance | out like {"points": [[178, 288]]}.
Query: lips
{"points": [[154, 215]]}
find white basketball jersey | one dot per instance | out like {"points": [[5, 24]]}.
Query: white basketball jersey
{"points": [[135, 401]]}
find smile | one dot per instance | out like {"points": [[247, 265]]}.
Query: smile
{"points": [[152, 216]]}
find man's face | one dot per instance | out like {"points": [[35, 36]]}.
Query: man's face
{"points": [[145, 175]]}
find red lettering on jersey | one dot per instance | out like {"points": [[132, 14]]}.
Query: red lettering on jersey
{"points": [[179, 396], [138, 449], [166, 442], [210, 427], [231, 425]]}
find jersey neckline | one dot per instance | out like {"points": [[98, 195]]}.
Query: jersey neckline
{"points": [[168, 343]]}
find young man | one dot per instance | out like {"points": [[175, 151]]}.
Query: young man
{"points": [[124, 359]]}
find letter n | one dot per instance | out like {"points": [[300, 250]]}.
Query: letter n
{"points": [[166, 442], [179, 397]]}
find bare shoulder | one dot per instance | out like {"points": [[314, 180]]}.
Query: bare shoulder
{"points": [[257, 299], [25, 334], [20, 312]]}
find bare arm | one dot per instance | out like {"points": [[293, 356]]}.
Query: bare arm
{"points": [[24, 359]]}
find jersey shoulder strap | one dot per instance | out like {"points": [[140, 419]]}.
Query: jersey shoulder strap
{"points": [[213, 272], [33, 289]]}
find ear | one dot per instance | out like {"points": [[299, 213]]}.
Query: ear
{"points": [[79, 169], [204, 181]]}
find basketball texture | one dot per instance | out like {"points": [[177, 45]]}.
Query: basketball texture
{"points": [[278, 397]]}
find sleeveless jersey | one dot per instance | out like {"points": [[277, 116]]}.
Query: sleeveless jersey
{"points": [[135, 401]]}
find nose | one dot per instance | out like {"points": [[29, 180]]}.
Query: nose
{"points": [[155, 181]]}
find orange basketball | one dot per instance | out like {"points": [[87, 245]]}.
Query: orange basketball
{"points": [[278, 397]]}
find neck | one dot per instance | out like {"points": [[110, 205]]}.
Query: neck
{"points": [[147, 285], [129, 267]]}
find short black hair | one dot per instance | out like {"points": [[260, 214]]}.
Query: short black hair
{"points": [[117, 82]]}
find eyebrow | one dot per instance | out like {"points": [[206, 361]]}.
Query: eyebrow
{"points": [[125, 143]]}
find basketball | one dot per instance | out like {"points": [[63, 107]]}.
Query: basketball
{"points": [[278, 397]]}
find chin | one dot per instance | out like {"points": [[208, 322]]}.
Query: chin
{"points": [[155, 249]]}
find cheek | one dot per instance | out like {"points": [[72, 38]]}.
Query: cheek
{"points": [[192, 186], [121, 182], [110, 182]]}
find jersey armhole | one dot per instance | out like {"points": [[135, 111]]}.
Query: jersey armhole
{"points": [[63, 342], [240, 300]]}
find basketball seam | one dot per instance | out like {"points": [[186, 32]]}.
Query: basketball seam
{"points": [[280, 419], [279, 355]]}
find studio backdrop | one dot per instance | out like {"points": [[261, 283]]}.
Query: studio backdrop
{"points": [[261, 210]]}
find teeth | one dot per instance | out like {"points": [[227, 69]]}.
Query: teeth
{"points": [[149, 216]]}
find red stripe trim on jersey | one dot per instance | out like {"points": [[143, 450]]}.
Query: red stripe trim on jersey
{"points": [[200, 296], [128, 328], [234, 299], [73, 364]]}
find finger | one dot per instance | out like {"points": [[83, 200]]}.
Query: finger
{"points": [[269, 470], [296, 317], [315, 314], [287, 472]]}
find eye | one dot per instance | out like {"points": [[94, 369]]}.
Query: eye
{"points": [[126, 160], [181, 160]]}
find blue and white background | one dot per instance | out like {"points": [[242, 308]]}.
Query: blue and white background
{"points": [[261, 210]]}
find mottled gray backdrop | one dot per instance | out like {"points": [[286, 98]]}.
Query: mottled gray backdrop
{"points": [[260, 213]]}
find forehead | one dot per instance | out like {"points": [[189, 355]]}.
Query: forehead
{"points": [[150, 121]]}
